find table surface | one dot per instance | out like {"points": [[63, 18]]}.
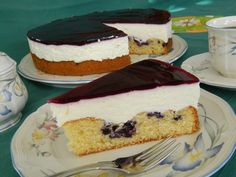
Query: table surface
{"points": [[17, 17]]}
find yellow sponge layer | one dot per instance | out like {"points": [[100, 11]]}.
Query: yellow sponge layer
{"points": [[151, 46], [85, 135]]}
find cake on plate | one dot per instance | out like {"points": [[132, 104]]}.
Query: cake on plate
{"points": [[145, 101], [99, 42]]}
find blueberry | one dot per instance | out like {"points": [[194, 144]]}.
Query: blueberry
{"points": [[155, 114], [139, 42], [114, 127], [123, 130], [106, 130], [114, 135], [177, 117]]}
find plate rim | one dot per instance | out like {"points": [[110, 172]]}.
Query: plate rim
{"points": [[186, 63], [216, 99], [75, 81]]}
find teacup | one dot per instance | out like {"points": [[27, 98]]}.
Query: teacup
{"points": [[222, 45]]}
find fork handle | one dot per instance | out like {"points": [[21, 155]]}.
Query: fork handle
{"points": [[106, 165]]}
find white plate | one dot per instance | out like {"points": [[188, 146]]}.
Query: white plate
{"points": [[39, 148], [27, 69], [200, 66]]}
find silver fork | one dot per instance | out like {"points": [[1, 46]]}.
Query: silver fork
{"points": [[131, 165]]}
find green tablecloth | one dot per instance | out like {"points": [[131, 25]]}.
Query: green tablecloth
{"points": [[17, 17]]}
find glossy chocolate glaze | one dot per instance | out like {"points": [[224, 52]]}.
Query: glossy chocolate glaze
{"points": [[146, 74], [80, 30]]}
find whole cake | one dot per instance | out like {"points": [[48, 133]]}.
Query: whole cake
{"points": [[99, 42], [145, 101]]}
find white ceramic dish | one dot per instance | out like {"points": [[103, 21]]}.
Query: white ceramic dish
{"points": [[200, 66], [27, 69], [38, 147], [221, 42]]}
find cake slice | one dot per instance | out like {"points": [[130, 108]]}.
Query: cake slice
{"points": [[146, 101]]}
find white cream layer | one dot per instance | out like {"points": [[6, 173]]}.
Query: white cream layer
{"points": [[98, 51], [122, 107], [145, 31]]}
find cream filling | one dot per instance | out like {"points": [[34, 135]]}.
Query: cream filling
{"points": [[145, 31], [123, 107], [98, 51]]}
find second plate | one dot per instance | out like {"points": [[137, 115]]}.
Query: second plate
{"points": [[27, 69], [200, 66]]}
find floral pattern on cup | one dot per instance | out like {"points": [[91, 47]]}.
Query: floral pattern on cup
{"points": [[44, 132], [233, 48], [4, 110], [12, 87], [215, 44], [5, 96], [18, 88]]}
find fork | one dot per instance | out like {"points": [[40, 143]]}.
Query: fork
{"points": [[131, 165]]}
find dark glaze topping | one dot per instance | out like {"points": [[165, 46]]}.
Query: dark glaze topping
{"points": [[73, 31], [146, 74], [80, 30], [146, 16]]}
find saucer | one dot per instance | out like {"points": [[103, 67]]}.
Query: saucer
{"points": [[200, 66]]}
